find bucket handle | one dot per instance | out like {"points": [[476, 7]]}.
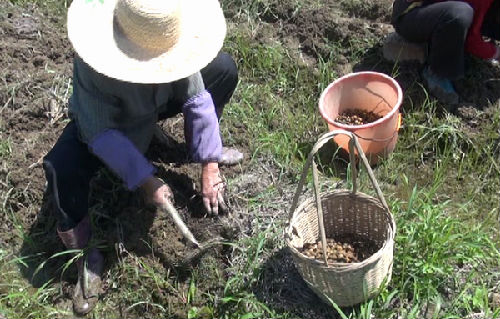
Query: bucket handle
{"points": [[353, 143]]}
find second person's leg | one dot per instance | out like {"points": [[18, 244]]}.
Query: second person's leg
{"points": [[444, 27]]}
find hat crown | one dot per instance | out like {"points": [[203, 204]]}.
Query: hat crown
{"points": [[151, 24]]}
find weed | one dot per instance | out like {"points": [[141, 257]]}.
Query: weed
{"points": [[5, 149], [433, 254], [238, 301]]}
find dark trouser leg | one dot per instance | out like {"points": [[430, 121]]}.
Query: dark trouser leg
{"points": [[220, 78], [69, 166], [491, 23], [444, 26]]}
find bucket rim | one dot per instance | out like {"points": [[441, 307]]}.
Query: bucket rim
{"points": [[383, 119]]}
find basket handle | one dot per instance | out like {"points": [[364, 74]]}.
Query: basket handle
{"points": [[353, 143]]}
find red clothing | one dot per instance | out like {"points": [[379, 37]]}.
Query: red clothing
{"points": [[474, 44]]}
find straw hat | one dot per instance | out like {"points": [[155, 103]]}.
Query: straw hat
{"points": [[146, 41]]}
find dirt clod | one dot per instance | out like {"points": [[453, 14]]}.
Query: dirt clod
{"points": [[494, 300], [356, 117]]}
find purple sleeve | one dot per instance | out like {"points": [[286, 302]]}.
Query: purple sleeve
{"points": [[201, 128], [122, 157]]}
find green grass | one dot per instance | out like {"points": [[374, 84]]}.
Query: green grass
{"points": [[279, 114], [5, 149], [435, 254], [441, 184]]}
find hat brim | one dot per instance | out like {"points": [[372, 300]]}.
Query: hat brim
{"points": [[97, 39]]}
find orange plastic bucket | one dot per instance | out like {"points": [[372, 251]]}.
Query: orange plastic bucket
{"points": [[368, 91]]}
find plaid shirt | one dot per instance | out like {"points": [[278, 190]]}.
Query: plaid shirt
{"points": [[117, 119], [99, 103]]}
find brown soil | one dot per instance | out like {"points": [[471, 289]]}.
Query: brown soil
{"points": [[349, 248], [355, 116], [36, 66]]}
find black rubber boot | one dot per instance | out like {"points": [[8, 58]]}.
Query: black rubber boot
{"points": [[90, 265]]}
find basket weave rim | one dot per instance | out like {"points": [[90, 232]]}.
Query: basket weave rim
{"points": [[387, 244]]}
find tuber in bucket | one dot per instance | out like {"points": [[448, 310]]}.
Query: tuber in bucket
{"points": [[370, 92]]}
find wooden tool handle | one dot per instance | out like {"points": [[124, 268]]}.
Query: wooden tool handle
{"points": [[170, 209]]}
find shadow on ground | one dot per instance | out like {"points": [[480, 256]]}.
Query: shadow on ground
{"points": [[42, 252], [40, 243], [123, 223], [282, 288]]}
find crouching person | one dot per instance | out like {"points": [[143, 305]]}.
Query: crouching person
{"points": [[451, 28], [136, 62]]}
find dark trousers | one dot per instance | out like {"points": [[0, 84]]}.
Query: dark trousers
{"points": [[69, 166], [444, 26], [491, 22]]}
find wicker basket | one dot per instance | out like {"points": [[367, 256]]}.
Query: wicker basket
{"points": [[342, 212]]}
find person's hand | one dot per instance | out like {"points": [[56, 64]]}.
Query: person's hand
{"points": [[212, 188], [155, 191]]}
